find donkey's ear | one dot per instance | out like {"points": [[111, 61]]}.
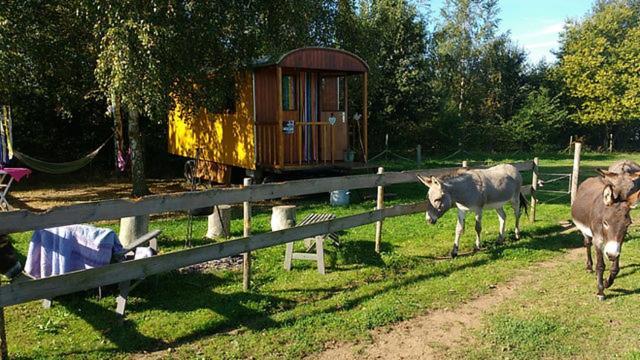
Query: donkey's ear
{"points": [[608, 196], [426, 180], [606, 174], [633, 198]]}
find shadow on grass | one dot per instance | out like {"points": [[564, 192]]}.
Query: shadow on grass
{"points": [[622, 292], [628, 270], [182, 294], [361, 252], [550, 238], [176, 293]]}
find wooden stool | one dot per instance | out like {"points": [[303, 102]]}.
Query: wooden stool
{"points": [[317, 241]]}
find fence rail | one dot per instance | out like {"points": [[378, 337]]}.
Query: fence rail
{"points": [[20, 292], [24, 220]]}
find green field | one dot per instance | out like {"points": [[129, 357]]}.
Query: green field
{"points": [[293, 314]]}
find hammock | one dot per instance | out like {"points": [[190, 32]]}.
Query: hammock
{"points": [[7, 151], [59, 168]]}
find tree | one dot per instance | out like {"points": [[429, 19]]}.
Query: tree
{"points": [[392, 37], [599, 60], [478, 73], [46, 76], [539, 123], [469, 25]]}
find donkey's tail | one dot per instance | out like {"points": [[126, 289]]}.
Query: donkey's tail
{"points": [[524, 204]]}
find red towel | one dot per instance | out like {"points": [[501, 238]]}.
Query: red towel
{"points": [[16, 173]]}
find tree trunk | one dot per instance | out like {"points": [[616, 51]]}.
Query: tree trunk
{"points": [[131, 228], [219, 222], [118, 131], [283, 217], [461, 98], [137, 155]]}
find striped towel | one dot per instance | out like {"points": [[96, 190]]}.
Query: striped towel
{"points": [[63, 249]]}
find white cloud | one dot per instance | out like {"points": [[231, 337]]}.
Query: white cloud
{"points": [[552, 29], [541, 45]]}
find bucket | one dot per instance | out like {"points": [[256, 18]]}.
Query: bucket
{"points": [[349, 155], [339, 198]]}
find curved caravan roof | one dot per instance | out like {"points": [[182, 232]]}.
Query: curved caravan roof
{"points": [[317, 58]]}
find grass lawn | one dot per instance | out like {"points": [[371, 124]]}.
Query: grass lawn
{"points": [[560, 317], [293, 314]]}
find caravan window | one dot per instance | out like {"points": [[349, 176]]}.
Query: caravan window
{"points": [[288, 92]]}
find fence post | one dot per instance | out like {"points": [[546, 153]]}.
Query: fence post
{"points": [[4, 350], [576, 170], [534, 188], [419, 154], [610, 142], [379, 205], [246, 257]]}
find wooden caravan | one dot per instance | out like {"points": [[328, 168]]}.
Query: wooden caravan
{"points": [[291, 113]]}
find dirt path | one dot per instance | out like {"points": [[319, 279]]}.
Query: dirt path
{"points": [[428, 336]]}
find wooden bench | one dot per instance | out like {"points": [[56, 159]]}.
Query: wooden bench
{"points": [[124, 287], [317, 241]]}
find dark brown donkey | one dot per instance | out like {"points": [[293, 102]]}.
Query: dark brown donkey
{"points": [[9, 264], [602, 215]]}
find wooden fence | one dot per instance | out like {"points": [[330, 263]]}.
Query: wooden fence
{"points": [[23, 220]]}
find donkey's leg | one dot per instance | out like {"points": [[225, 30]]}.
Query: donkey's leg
{"points": [[587, 245], [599, 271], [478, 229], [615, 268], [515, 203], [502, 218], [459, 231]]}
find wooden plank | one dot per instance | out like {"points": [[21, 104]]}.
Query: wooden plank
{"points": [[379, 205], [140, 241], [365, 115], [534, 187], [304, 256], [575, 173], [279, 134], [299, 130], [320, 254], [323, 59], [246, 257], [17, 293], [23, 220], [333, 144]]}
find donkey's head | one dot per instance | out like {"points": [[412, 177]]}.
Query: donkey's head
{"points": [[623, 184], [615, 220], [438, 198], [9, 264]]}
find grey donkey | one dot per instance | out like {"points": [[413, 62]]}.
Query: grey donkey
{"points": [[475, 190]]}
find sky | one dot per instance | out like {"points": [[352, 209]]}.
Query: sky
{"points": [[534, 24]]}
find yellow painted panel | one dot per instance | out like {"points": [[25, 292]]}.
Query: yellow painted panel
{"points": [[223, 138]]}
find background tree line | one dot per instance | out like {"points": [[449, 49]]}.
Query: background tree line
{"points": [[443, 80]]}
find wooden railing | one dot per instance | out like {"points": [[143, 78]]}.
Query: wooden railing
{"points": [[267, 143], [45, 288], [310, 143]]}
